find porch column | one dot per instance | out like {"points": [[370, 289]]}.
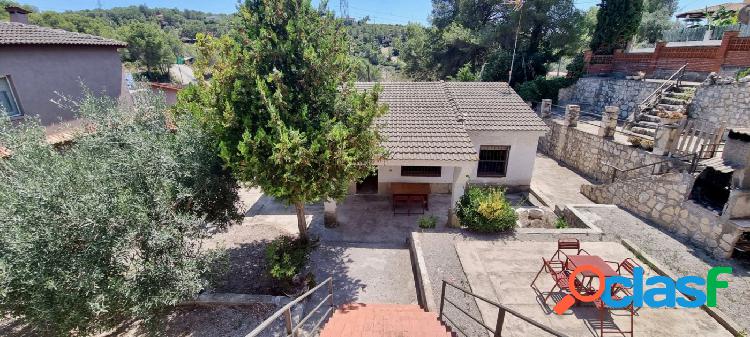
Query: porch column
{"points": [[545, 109], [665, 139]]}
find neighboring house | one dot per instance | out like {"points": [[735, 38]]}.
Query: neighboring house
{"points": [[168, 90], [700, 13], [449, 134], [38, 64]]}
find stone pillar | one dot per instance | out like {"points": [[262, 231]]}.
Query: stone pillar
{"points": [[545, 109], [609, 122], [665, 139], [571, 115], [329, 213]]}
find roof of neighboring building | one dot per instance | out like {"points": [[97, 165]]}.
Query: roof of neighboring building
{"points": [[15, 33], [431, 120], [701, 12]]}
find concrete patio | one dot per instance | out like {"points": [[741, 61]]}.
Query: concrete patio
{"points": [[370, 218], [502, 272]]}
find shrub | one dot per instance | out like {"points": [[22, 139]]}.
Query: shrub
{"points": [[560, 223], [743, 73], [111, 228], [576, 68], [541, 88], [485, 209], [427, 221], [286, 256]]}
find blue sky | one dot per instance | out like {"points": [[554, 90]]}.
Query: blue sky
{"points": [[380, 11]]}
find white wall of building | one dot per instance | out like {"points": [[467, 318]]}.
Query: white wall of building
{"points": [[392, 174], [520, 159]]}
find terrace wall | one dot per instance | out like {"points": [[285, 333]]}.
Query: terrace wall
{"points": [[733, 52]]}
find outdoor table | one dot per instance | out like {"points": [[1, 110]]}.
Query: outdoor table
{"points": [[405, 193], [593, 260]]}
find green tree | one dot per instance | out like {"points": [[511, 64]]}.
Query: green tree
{"points": [[616, 23], [465, 74], [283, 103], [111, 227], [657, 17], [149, 46]]}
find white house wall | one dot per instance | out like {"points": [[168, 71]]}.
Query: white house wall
{"points": [[392, 174], [520, 159]]}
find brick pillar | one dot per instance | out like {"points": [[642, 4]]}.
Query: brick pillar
{"points": [[721, 54], [587, 60], [609, 122], [572, 112], [655, 56], [545, 109], [665, 139]]}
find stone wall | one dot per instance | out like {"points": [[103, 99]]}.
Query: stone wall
{"points": [[718, 103], [594, 93], [586, 152], [663, 199]]}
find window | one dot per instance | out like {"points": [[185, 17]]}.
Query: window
{"points": [[7, 100], [421, 171], [493, 161]]}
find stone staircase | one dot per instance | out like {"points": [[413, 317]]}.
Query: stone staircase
{"points": [[386, 320], [672, 99]]}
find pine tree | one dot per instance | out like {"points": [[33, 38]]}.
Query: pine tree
{"points": [[617, 22]]}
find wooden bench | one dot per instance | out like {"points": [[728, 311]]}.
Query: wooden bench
{"points": [[413, 197]]}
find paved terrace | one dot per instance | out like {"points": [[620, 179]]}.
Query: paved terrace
{"points": [[502, 271]]}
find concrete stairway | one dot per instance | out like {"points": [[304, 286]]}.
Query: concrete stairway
{"points": [[671, 99], [384, 320]]}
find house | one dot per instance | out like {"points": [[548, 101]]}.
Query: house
{"points": [[701, 13], [448, 134], [39, 64]]}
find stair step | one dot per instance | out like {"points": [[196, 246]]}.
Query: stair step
{"points": [[672, 100], [647, 125], [643, 131], [670, 107], [364, 320], [650, 118]]}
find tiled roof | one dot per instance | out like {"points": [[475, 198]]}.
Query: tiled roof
{"points": [[14, 33], [493, 106], [429, 120]]}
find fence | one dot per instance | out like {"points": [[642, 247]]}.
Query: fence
{"points": [[697, 136], [734, 51]]}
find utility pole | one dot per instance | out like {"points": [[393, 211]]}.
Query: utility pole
{"points": [[344, 8]]}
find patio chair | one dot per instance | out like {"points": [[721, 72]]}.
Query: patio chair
{"points": [[560, 277], [627, 265], [603, 309], [572, 245]]}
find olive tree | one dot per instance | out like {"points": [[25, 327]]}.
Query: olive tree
{"points": [[282, 101], [109, 227]]}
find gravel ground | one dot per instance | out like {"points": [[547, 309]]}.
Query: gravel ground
{"points": [[245, 244], [198, 321], [681, 257]]}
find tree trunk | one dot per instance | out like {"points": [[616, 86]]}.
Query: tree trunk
{"points": [[301, 222]]}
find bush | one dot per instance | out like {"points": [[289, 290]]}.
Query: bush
{"points": [[743, 73], [561, 223], [485, 210], [111, 228], [286, 256], [427, 221], [541, 88], [575, 68]]}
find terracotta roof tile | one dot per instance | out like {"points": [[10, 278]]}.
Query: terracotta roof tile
{"points": [[14, 33], [430, 120]]}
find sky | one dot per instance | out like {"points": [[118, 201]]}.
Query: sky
{"points": [[379, 11]]}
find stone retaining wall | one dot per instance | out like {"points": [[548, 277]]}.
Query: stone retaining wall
{"points": [[594, 93], [714, 103], [717, 103], [663, 199], [586, 152]]}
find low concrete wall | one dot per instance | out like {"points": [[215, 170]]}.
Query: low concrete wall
{"points": [[594, 93]]}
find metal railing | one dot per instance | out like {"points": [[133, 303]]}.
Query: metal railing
{"points": [[497, 331], [291, 328], [674, 80], [656, 167]]}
